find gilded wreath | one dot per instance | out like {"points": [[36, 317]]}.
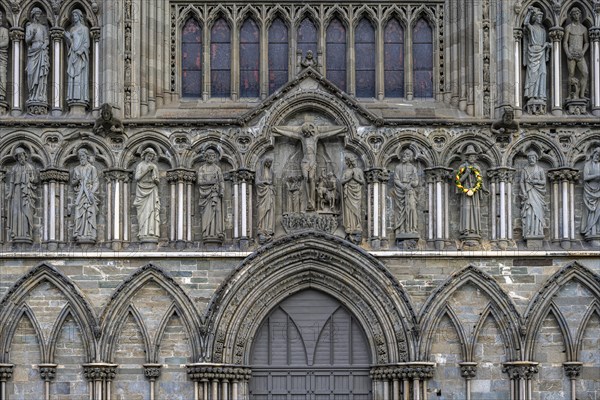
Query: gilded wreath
{"points": [[479, 180]]}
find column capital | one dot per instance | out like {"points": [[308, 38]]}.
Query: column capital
{"points": [[375, 175], [17, 34], [564, 174], [54, 175], [6, 371], [572, 369], [99, 371], [501, 174], [181, 175], [152, 371], [438, 174], [47, 371], [57, 33], [208, 371], [468, 370], [556, 34], [594, 33], [517, 33], [118, 174], [95, 32], [242, 175], [520, 369]]}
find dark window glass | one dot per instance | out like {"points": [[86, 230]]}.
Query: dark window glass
{"points": [[191, 59], [336, 53], [423, 59], [220, 59], [307, 37], [278, 55], [249, 59], [364, 42], [393, 59]]}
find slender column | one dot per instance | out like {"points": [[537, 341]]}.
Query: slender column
{"points": [[117, 181], [556, 34], [17, 35], [563, 181], [437, 180], [518, 108], [594, 34], [242, 216], [235, 62], [100, 376], [181, 181], [57, 35], [501, 190], [206, 58], [2, 219], [350, 61], [572, 371], [468, 370], [520, 374], [264, 62], [380, 67], [377, 180], [152, 39], [96, 83], [47, 373], [6, 371], [152, 373], [408, 67], [53, 181]]}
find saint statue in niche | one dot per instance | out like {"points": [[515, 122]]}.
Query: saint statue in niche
{"points": [[265, 195], [147, 199], [38, 60], [536, 53], [86, 184], [78, 40], [590, 221], [352, 181], [470, 204], [21, 198], [406, 180], [211, 186], [533, 190]]}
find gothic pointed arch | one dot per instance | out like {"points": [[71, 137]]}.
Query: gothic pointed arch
{"points": [[593, 309], [318, 261], [69, 5], [507, 317], [545, 147], [119, 306], [30, 142], [141, 140], [543, 300], [79, 307], [26, 312]]}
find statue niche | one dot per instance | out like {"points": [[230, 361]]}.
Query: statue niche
{"points": [[310, 180]]}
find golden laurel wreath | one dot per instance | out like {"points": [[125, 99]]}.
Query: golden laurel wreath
{"points": [[478, 177]]}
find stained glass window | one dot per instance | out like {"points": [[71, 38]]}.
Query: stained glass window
{"points": [[278, 55], [393, 50], [364, 42], [249, 59], [220, 59], [191, 59], [422, 60], [307, 37], [336, 53]]}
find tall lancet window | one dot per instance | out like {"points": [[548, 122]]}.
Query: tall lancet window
{"points": [[278, 55], [220, 59], [422, 60], [307, 37], [249, 59], [336, 53], [191, 59], [364, 42], [393, 63]]}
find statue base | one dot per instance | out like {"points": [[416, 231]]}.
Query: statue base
{"points": [[3, 107], [148, 242], [576, 106], [470, 240], [536, 107], [21, 243], [52, 246], [565, 244], [37, 108], [77, 108], [407, 240], [593, 240], [295, 222], [534, 242], [212, 241], [85, 242]]}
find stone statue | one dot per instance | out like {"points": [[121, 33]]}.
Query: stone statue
{"points": [[4, 42], [352, 181], [507, 125], [590, 221], [470, 205], [86, 184], [309, 135], [309, 60], [265, 195], [78, 41], [406, 181], [536, 54], [533, 204], [21, 198], [292, 184], [147, 199], [38, 60], [327, 191], [211, 186], [575, 45], [107, 123]]}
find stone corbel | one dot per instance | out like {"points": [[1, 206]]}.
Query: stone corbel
{"points": [[219, 381], [563, 204], [181, 182], [54, 181]]}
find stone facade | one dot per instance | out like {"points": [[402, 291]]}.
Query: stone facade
{"points": [[455, 220]]}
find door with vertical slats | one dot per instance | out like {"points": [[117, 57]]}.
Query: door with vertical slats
{"points": [[310, 348]]}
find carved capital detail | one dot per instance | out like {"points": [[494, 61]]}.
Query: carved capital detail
{"points": [[401, 371], [118, 175], [100, 371], [468, 370], [17, 34], [502, 174], [520, 369], [209, 372], [6, 371], [518, 33], [47, 372], [556, 34], [438, 174], [376, 175], [54, 175], [594, 34], [57, 34], [242, 175], [572, 369], [152, 371], [564, 175], [181, 175], [96, 33]]}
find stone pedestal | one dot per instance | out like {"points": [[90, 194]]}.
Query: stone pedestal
{"points": [[576, 106], [534, 242], [407, 241], [37, 108], [77, 108], [535, 107]]}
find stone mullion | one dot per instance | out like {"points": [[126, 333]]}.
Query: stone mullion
{"points": [[117, 232], [235, 61], [6, 371], [556, 34], [468, 371], [206, 57], [454, 54], [438, 226], [518, 108], [153, 45], [181, 187], [152, 373], [351, 57], [264, 61], [144, 60], [17, 35], [95, 92], [573, 371], [54, 181], [379, 62], [57, 35], [563, 199], [408, 65], [594, 34], [2, 218], [471, 60], [161, 24]]}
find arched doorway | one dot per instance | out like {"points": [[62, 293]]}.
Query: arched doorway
{"points": [[310, 347]]}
